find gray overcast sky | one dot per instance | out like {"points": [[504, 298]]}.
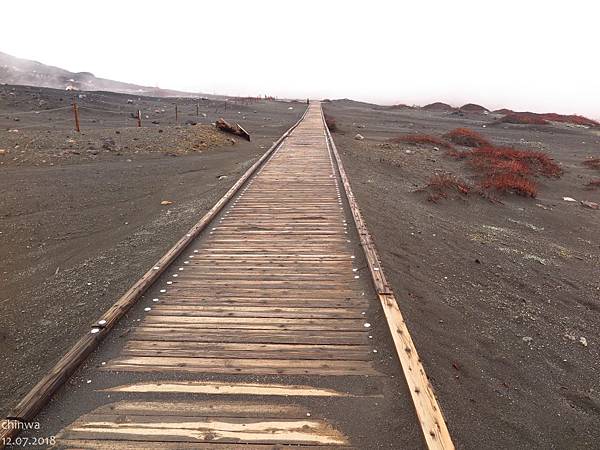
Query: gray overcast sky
{"points": [[525, 55]]}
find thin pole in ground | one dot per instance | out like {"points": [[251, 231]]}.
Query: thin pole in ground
{"points": [[76, 115], [176, 114], [139, 118]]}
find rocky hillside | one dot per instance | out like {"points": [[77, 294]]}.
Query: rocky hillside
{"points": [[15, 70]]}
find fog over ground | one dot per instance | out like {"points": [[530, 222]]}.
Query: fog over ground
{"points": [[524, 55]]}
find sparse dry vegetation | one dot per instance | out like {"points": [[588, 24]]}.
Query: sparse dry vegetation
{"points": [[510, 160], [523, 119], [420, 139], [510, 182], [594, 184], [505, 169], [466, 138], [592, 163], [573, 118], [530, 118], [439, 185], [331, 123]]}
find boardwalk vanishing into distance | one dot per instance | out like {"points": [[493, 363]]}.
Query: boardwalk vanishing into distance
{"points": [[267, 331]]}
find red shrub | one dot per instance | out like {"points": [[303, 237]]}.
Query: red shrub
{"points": [[511, 166], [535, 163], [524, 118], [506, 169], [573, 118], [592, 163], [439, 185], [420, 139], [466, 137], [529, 118], [509, 182], [458, 154], [331, 123], [594, 184]]}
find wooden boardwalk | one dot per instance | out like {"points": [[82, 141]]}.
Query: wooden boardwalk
{"points": [[271, 291], [260, 335]]}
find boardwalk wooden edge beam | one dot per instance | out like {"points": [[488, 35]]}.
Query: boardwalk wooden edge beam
{"points": [[427, 408], [39, 395]]}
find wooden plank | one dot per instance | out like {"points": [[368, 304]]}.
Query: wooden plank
{"points": [[258, 311], [207, 273], [204, 262], [199, 408], [105, 444], [244, 323], [241, 283], [271, 302], [250, 336], [224, 388], [245, 350], [129, 427], [266, 291], [241, 366]]}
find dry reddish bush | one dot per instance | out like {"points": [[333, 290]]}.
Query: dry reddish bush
{"points": [[523, 118], [416, 139], [509, 182], [592, 163], [506, 169], [511, 166], [490, 158], [331, 123], [466, 137], [529, 118], [594, 184], [573, 118], [458, 154], [439, 185]]}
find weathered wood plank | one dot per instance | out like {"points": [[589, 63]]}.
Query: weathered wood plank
{"points": [[225, 388], [238, 350], [250, 336], [241, 366]]}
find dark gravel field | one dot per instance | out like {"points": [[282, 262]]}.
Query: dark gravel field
{"points": [[502, 297]]}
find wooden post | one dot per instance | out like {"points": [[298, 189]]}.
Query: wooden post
{"points": [[197, 109], [176, 114], [76, 114], [139, 118]]}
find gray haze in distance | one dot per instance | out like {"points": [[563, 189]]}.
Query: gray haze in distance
{"points": [[524, 55]]}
